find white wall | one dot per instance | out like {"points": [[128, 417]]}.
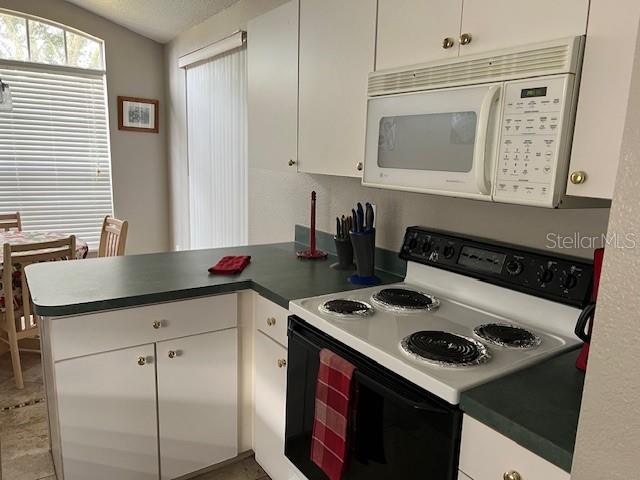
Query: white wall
{"points": [[277, 201], [209, 31], [609, 430], [135, 67]]}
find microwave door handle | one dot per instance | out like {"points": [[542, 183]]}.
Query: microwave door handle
{"points": [[479, 157]]}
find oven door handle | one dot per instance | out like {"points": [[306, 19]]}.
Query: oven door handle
{"points": [[391, 393], [480, 150]]}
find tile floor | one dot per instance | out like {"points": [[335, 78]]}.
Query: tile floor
{"points": [[24, 439]]}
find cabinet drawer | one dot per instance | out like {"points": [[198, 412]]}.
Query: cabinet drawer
{"points": [[100, 332], [271, 319], [487, 455]]}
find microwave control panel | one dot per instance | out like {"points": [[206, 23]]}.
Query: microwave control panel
{"points": [[531, 140]]}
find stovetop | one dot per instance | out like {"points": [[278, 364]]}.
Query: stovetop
{"points": [[379, 336], [479, 310]]}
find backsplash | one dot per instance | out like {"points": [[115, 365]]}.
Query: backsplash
{"points": [[279, 200]]}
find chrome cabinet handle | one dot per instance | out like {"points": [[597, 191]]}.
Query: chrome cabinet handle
{"points": [[359, 166], [271, 321], [172, 353], [157, 324], [578, 177], [465, 39], [448, 42], [511, 475], [142, 361], [283, 363]]}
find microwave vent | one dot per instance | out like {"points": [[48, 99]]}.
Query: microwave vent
{"points": [[549, 58]]}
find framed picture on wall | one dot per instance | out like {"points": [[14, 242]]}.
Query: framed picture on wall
{"points": [[138, 114]]}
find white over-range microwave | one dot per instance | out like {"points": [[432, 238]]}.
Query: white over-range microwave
{"points": [[494, 126]]}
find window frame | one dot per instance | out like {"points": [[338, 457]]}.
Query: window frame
{"points": [[64, 29]]}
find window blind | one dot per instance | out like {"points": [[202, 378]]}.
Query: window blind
{"points": [[54, 151], [217, 151]]}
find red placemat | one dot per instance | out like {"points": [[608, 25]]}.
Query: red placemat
{"points": [[230, 265]]}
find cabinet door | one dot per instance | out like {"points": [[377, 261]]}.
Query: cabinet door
{"points": [[605, 85], [495, 24], [487, 455], [107, 410], [197, 401], [272, 49], [414, 31], [337, 43], [270, 397]]}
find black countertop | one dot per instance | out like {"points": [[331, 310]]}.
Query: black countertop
{"points": [[537, 408], [76, 287]]}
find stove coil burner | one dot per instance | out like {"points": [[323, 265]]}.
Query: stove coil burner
{"points": [[404, 300], [346, 308], [444, 349], [506, 335]]}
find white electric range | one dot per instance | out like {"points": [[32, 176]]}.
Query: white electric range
{"points": [[468, 311]]}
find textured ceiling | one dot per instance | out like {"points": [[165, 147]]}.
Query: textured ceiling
{"points": [[160, 20]]}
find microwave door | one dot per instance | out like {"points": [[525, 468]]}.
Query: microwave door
{"points": [[439, 141]]}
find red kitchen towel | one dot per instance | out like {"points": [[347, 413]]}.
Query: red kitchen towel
{"points": [[331, 419], [230, 265]]}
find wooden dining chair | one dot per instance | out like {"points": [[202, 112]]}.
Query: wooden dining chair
{"points": [[9, 221], [113, 237], [17, 317]]}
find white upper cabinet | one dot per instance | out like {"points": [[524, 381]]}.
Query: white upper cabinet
{"points": [[337, 48], [416, 31], [496, 24], [272, 49], [604, 98]]}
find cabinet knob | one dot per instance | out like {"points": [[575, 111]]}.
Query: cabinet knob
{"points": [[448, 43], [359, 166], [157, 324], [578, 177], [283, 363], [142, 361], [292, 162], [172, 353], [271, 321], [512, 475], [465, 39]]}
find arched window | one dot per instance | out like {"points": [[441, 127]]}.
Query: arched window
{"points": [[55, 164]]}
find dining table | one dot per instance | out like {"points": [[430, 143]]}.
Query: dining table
{"points": [[15, 237]]}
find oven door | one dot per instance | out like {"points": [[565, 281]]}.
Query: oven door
{"points": [[400, 430], [438, 141]]}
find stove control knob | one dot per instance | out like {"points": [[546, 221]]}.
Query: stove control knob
{"points": [[427, 245], [545, 276], [413, 243], [569, 280], [449, 251], [514, 267]]}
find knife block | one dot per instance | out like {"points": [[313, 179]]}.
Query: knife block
{"points": [[344, 250], [364, 250]]}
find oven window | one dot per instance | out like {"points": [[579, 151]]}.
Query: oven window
{"points": [[440, 142]]}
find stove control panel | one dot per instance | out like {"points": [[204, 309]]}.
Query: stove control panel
{"points": [[560, 278]]}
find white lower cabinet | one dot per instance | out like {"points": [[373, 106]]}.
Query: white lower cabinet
{"points": [[463, 476], [197, 401], [270, 399], [488, 455], [159, 410], [107, 412]]}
